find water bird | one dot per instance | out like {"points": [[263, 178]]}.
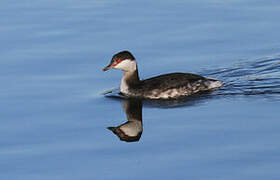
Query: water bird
{"points": [[166, 86]]}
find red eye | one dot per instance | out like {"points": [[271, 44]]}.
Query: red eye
{"points": [[119, 60]]}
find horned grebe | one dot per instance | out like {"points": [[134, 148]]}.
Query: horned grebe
{"points": [[165, 86]]}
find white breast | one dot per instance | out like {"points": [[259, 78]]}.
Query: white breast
{"points": [[124, 86]]}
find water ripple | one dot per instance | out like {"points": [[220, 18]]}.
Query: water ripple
{"points": [[255, 77]]}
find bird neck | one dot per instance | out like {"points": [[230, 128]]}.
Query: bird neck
{"points": [[130, 79]]}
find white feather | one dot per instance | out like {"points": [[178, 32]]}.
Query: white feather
{"points": [[215, 84], [127, 65], [124, 86]]}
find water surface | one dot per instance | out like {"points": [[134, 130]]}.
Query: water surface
{"points": [[55, 118]]}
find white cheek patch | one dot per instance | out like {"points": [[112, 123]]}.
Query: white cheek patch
{"points": [[126, 65]]}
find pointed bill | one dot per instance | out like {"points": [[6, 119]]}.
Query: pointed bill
{"points": [[107, 68]]}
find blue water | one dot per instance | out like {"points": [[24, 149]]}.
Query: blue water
{"points": [[54, 116]]}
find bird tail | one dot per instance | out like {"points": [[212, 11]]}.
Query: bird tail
{"points": [[214, 83]]}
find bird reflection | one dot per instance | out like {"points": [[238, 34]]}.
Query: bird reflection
{"points": [[131, 130]]}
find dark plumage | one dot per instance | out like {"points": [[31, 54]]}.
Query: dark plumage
{"points": [[171, 85]]}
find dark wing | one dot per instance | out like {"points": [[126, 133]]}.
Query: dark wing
{"points": [[169, 81]]}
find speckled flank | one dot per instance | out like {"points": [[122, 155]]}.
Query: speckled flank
{"points": [[174, 92], [186, 90]]}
